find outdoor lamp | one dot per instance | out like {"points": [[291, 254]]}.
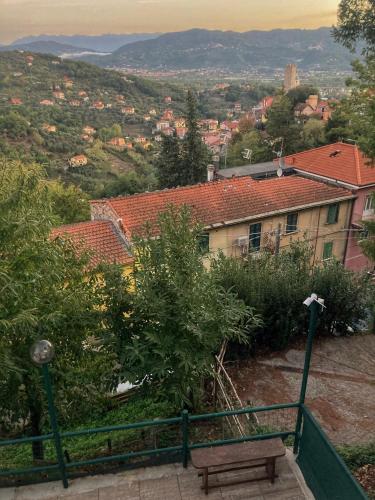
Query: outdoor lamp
{"points": [[42, 352]]}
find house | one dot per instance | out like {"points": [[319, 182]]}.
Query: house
{"points": [[168, 131], [78, 161], [229, 126], [343, 165], [87, 138], [87, 129], [181, 132], [237, 107], [162, 124], [213, 142], [128, 110], [98, 105], [15, 101], [58, 94], [146, 118], [167, 99], [68, 84], [167, 115], [75, 102], [179, 122], [314, 107], [46, 102], [120, 98], [49, 128], [260, 111], [141, 139], [117, 142], [82, 93], [242, 214], [29, 60], [152, 112], [100, 238], [221, 86]]}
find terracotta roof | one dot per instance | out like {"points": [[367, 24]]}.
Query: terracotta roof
{"points": [[224, 201], [340, 161], [98, 237]]}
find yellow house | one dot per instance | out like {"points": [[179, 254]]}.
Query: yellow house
{"points": [[243, 215]]}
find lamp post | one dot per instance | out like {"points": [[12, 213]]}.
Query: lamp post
{"points": [[313, 304], [42, 352]]}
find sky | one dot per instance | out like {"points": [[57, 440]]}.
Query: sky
{"points": [[93, 17]]}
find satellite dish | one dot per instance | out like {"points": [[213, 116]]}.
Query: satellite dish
{"points": [[279, 172]]}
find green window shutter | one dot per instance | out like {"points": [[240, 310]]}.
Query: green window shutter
{"points": [[327, 250], [255, 234], [333, 213], [204, 242], [291, 223]]}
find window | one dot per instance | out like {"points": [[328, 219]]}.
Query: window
{"points": [[254, 237], [204, 242], [369, 204], [291, 223], [327, 250], [333, 213]]}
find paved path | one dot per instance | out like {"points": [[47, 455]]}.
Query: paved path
{"points": [[168, 482]]}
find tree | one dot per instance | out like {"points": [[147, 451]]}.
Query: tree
{"points": [[356, 23], [261, 151], [301, 93], [169, 163], [194, 155], [69, 203], [47, 291], [313, 133], [281, 123], [179, 314]]}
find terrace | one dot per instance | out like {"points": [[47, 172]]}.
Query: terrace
{"points": [[310, 459]]}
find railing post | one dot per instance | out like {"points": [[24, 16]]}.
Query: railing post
{"points": [[314, 308], [185, 437], [55, 429]]}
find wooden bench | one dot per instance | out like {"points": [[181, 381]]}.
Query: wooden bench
{"points": [[218, 459]]}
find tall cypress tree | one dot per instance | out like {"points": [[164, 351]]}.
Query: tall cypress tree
{"points": [[168, 164], [195, 154]]}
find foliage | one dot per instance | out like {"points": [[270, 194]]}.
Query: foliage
{"points": [[275, 286], [313, 133], [281, 123], [356, 22], [47, 291], [301, 93], [368, 244], [169, 164], [179, 315], [261, 150], [357, 455], [69, 203]]}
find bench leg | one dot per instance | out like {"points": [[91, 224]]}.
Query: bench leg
{"points": [[270, 467]]}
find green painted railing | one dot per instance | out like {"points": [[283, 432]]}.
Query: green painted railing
{"points": [[324, 471]]}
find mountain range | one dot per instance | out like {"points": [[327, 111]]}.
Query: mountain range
{"points": [[232, 51]]}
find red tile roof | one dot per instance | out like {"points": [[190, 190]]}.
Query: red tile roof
{"points": [[340, 161], [224, 201], [98, 237]]}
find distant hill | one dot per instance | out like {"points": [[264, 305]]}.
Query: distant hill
{"points": [[46, 47], [229, 50], [97, 43]]}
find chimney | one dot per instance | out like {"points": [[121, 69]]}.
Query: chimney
{"points": [[210, 172]]}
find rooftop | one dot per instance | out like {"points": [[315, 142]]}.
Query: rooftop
{"points": [[339, 161], [226, 201], [267, 167], [99, 237]]}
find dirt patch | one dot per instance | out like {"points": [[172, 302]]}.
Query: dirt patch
{"points": [[341, 386]]}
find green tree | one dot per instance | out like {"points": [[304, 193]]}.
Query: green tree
{"points": [[301, 93], [47, 291], [169, 163], [281, 123], [14, 125], [194, 155], [368, 244], [313, 133], [69, 202], [180, 315], [356, 23], [261, 150]]}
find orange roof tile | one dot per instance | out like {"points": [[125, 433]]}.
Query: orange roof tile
{"points": [[98, 237], [225, 201], [340, 161]]}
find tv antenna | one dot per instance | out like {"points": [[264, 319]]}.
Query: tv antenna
{"points": [[247, 153]]}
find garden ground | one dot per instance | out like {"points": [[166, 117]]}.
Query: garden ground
{"points": [[341, 387]]}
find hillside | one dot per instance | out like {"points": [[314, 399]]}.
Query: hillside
{"points": [[232, 51], [46, 47], [97, 43], [45, 104]]}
